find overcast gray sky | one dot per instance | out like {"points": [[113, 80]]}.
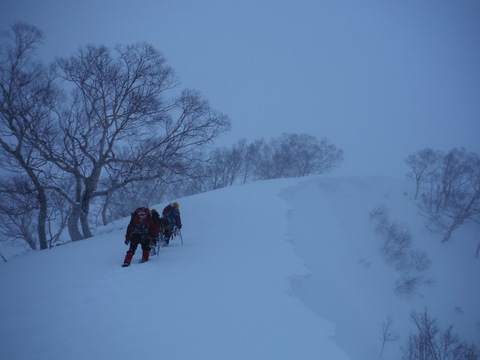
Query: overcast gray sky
{"points": [[380, 78]]}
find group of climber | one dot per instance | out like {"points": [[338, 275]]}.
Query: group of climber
{"points": [[147, 227]]}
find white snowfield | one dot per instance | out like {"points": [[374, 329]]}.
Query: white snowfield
{"points": [[284, 269]]}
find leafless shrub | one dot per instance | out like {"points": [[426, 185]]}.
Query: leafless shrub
{"points": [[397, 241], [397, 249], [431, 343], [407, 284], [380, 214], [424, 165], [420, 260]]}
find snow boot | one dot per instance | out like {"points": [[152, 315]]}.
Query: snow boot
{"points": [[128, 259], [145, 256]]}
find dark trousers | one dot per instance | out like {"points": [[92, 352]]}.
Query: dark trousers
{"points": [[143, 240]]}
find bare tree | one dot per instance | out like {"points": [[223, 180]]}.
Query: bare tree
{"points": [[397, 242], [249, 164], [260, 155], [225, 166], [387, 334], [431, 343], [293, 155], [121, 123], [236, 161], [27, 97], [217, 170], [310, 156], [455, 193], [290, 155], [282, 158], [424, 165], [17, 212], [461, 190], [125, 123]]}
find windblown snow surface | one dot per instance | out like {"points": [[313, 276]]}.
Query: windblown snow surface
{"points": [[283, 269]]}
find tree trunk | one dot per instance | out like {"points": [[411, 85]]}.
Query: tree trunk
{"points": [[42, 219], [42, 203], [417, 190], [87, 233], [84, 211], [90, 187], [73, 220], [105, 209]]}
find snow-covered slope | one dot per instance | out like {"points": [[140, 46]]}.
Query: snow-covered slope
{"points": [[284, 269]]}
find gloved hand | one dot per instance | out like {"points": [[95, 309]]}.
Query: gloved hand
{"points": [[127, 241]]}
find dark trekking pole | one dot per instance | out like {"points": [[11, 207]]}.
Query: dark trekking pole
{"points": [[177, 232]]}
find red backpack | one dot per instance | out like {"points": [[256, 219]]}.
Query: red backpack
{"points": [[166, 211], [140, 221]]}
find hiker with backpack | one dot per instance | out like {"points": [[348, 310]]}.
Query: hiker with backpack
{"points": [[171, 213], [141, 230], [161, 224]]}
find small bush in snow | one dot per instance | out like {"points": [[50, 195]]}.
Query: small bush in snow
{"points": [[396, 238], [397, 241], [397, 249], [420, 260], [407, 284], [380, 214]]}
